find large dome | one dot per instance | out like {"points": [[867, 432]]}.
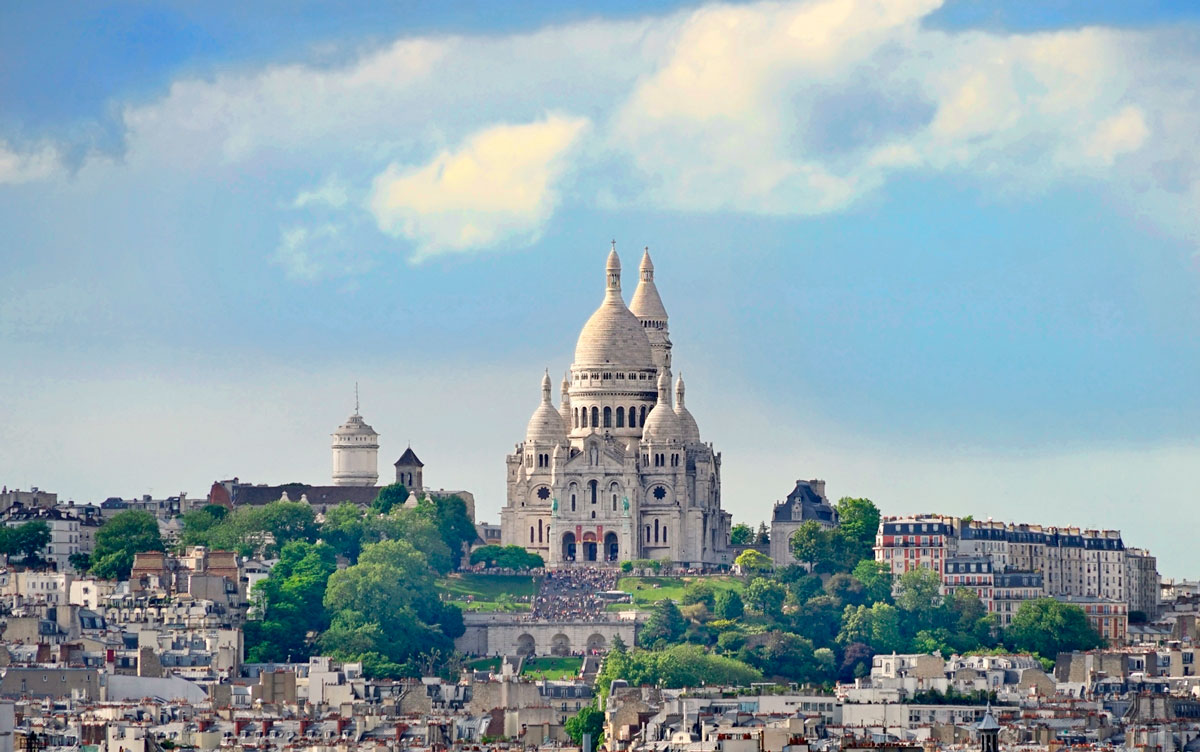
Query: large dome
{"points": [[662, 424], [613, 336]]}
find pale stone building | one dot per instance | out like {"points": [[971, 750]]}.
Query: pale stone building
{"points": [[807, 502], [618, 471], [355, 452]]}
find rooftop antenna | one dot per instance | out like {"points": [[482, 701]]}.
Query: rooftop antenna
{"points": [[356, 398]]}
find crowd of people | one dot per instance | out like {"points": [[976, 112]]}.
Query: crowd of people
{"points": [[573, 594]]}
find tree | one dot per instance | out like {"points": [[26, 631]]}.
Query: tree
{"points": [[345, 529], [858, 523], [118, 539], [728, 605], [877, 626], [811, 544], [506, 557], [589, 720], [781, 654], [699, 591], [389, 498], [1047, 627], [919, 591], [27, 539], [80, 561], [741, 535], [666, 624], [763, 537], [289, 607], [454, 525], [876, 578], [856, 662], [284, 521], [766, 596], [845, 588], [675, 667], [751, 561]]}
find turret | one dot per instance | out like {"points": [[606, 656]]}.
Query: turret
{"points": [[355, 451], [648, 307], [689, 431]]}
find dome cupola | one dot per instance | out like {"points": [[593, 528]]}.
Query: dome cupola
{"points": [[689, 431], [546, 425], [613, 336], [662, 424]]}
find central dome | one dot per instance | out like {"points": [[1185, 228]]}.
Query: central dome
{"points": [[613, 336]]}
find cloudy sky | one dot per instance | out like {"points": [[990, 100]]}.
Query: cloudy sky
{"points": [[945, 255]]}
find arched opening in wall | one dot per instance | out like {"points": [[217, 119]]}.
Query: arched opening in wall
{"points": [[647, 533], [568, 546], [575, 417], [526, 645], [539, 531], [642, 417], [611, 548], [583, 423], [572, 502], [632, 416], [596, 643], [589, 546], [608, 417], [656, 531], [593, 487], [531, 533], [560, 644], [620, 417], [595, 417]]}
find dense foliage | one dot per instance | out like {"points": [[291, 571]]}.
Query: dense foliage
{"points": [[506, 557], [674, 667], [119, 538], [589, 720], [25, 540]]}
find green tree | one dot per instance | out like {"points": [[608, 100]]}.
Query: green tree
{"points": [[454, 525], [1047, 627], [507, 557], [858, 523], [665, 625], [289, 607], [741, 534], [80, 561], [699, 591], [764, 536], [345, 529], [766, 596], [389, 497], [589, 720], [877, 626], [876, 577], [28, 540], [782, 654], [919, 591], [812, 544], [283, 521], [751, 561], [119, 538], [728, 605]]}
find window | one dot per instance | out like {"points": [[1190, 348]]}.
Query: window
{"points": [[660, 493], [620, 417], [608, 417], [595, 417], [543, 493], [632, 416]]}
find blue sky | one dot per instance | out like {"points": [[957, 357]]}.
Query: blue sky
{"points": [[944, 255]]}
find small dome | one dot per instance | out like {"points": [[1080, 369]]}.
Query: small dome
{"points": [[354, 428], [662, 424], [546, 425], [689, 431], [613, 336]]}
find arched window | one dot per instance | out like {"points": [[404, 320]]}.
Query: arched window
{"points": [[575, 420], [583, 419], [656, 531], [608, 417], [620, 417], [593, 486], [572, 502], [632, 416], [647, 533], [593, 514], [614, 502], [595, 417], [664, 533], [539, 531], [531, 533], [642, 417]]}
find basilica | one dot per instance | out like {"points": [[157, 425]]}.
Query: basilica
{"points": [[617, 471]]}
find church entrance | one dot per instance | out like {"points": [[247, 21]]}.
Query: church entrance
{"points": [[568, 547], [589, 546], [611, 549]]}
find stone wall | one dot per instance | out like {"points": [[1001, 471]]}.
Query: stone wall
{"points": [[500, 636]]}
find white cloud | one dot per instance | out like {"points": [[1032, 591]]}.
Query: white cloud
{"points": [[23, 167], [499, 186], [332, 193]]}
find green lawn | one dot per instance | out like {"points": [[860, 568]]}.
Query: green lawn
{"points": [[486, 664], [647, 591], [553, 667], [487, 592]]}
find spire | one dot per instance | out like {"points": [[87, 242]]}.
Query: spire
{"points": [[647, 266], [664, 387], [546, 387], [679, 390], [566, 388], [356, 398], [613, 271]]}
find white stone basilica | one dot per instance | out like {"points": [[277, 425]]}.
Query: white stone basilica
{"points": [[617, 471]]}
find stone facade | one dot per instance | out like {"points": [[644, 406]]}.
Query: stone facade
{"points": [[618, 471], [807, 502], [504, 634]]}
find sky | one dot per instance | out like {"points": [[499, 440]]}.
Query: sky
{"points": [[945, 255]]}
